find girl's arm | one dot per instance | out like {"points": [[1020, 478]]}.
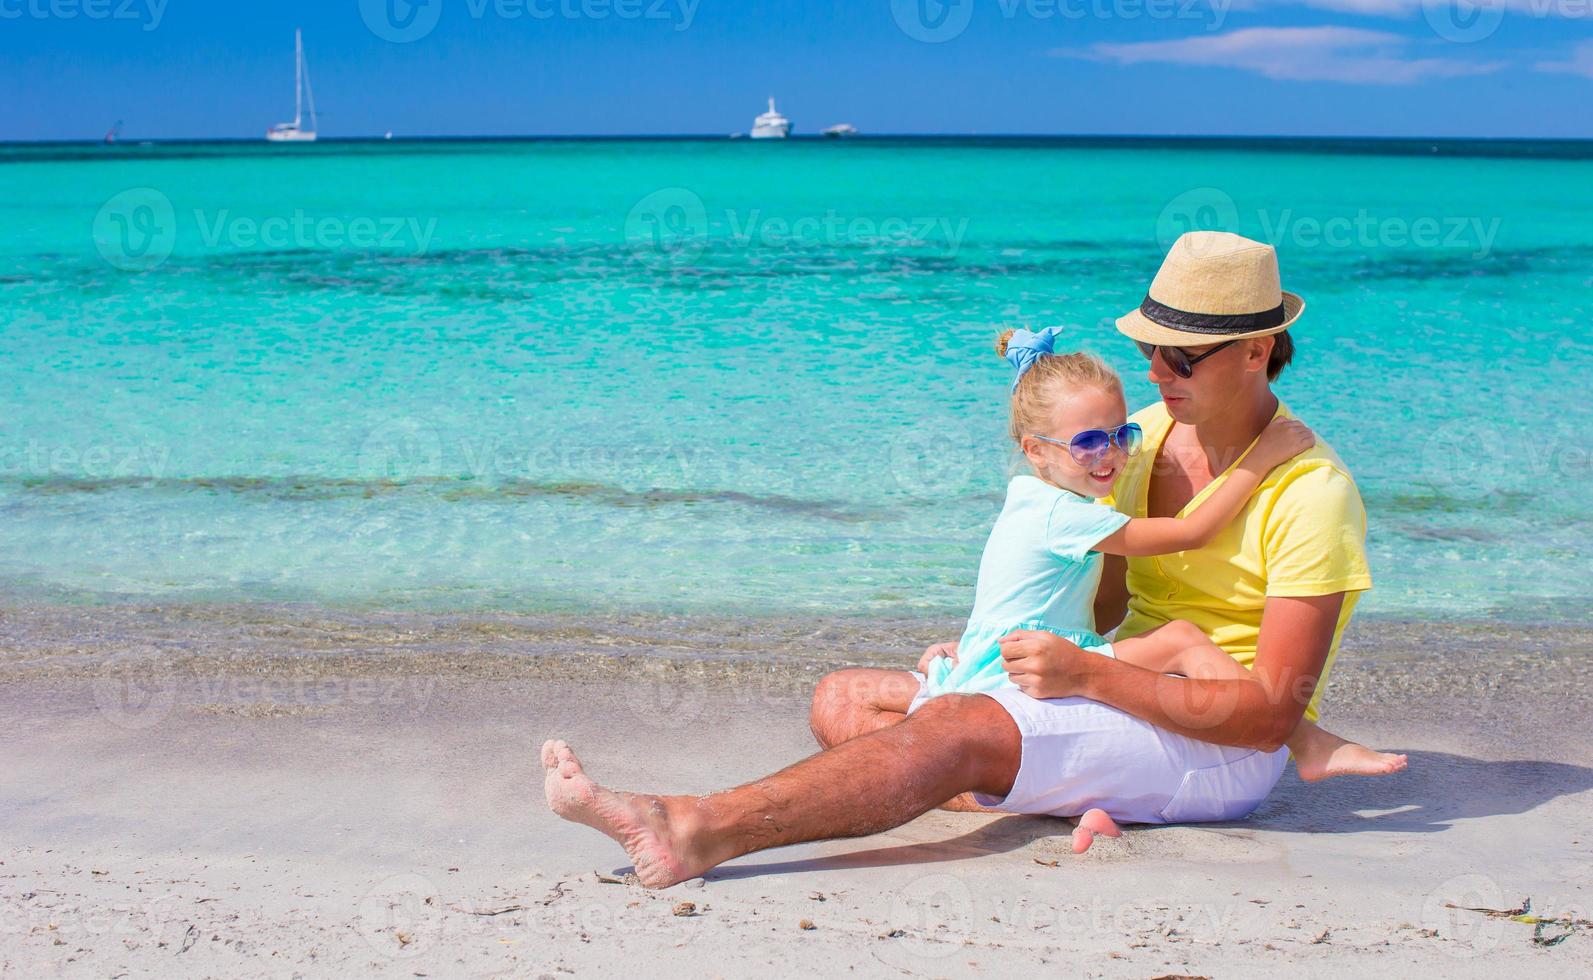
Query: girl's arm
{"points": [[1281, 440]]}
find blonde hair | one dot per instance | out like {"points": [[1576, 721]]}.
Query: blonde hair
{"points": [[1050, 380]]}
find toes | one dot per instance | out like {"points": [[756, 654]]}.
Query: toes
{"points": [[548, 759], [1082, 839], [1098, 822]]}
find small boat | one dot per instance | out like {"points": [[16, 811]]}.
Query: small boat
{"points": [[294, 132], [841, 131], [771, 125]]}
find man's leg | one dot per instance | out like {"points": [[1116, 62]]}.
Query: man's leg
{"points": [[859, 700], [953, 744]]}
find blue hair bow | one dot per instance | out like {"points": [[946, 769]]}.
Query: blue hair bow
{"points": [[1024, 348]]}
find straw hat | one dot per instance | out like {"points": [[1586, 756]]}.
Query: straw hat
{"points": [[1213, 286]]}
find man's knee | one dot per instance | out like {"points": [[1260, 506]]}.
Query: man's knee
{"points": [[986, 737], [1186, 635]]}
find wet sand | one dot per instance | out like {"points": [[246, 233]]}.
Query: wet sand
{"points": [[270, 792]]}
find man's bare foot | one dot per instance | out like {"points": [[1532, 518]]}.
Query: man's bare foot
{"points": [[643, 825], [1091, 823], [1320, 754]]}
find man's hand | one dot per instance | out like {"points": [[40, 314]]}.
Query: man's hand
{"points": [[1042, 664], [931, 654]]}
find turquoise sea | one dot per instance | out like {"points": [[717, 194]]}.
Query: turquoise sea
{"points": [[723, 378]]}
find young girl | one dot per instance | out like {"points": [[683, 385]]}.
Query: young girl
{"points": [[1042, 564]]}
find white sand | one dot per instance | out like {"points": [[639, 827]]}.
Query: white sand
{"points": [[248, 826]]}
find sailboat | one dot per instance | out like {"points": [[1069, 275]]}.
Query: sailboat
{"points": [[294, 132]]}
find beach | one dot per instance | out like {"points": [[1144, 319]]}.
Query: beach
{"points": [[288, 791], [335, 478]]}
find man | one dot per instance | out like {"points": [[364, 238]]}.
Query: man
{"points": [[1275, 590]]}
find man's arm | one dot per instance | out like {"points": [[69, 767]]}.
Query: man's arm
{"points": [[1111, 599], [1260, 713]]}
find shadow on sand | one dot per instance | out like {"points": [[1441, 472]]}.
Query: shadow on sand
{"points": [[1436, 790]]}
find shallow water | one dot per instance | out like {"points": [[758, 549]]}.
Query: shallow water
{"points": [[720, 378]]}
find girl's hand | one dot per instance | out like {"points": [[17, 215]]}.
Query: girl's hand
{"points": [[1281, 441], [1043, 665], [931, 654]]}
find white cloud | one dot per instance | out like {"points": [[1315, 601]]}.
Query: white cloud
{"points": [[1303, 54], [1580, 62], [1464, 10], [1367, 8]]}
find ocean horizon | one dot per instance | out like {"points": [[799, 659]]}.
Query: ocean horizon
{"points": [[713, 377]]}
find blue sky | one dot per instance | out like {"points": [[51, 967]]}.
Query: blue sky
{"points": [[203, 68]]}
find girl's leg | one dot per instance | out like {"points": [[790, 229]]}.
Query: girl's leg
{"points": [[1180, 647]]}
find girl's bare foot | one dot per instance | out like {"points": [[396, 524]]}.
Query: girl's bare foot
{"points": [[1320, 754], [650, 828], [1091, 823]]}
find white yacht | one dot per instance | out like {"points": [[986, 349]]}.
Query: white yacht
{"points": [[771, 125], [294, 132], [841, 131]]}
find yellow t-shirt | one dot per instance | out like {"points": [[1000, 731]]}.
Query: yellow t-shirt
{"points": [[1303, 533]]}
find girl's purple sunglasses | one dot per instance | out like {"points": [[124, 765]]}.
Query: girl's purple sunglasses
{"points": [[1090, 446]]}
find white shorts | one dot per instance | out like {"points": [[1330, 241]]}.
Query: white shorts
{"points": [[1079, 754]]}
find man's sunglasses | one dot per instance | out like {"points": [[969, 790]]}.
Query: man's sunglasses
{"points": [[1177, 358], [1091, 446]]}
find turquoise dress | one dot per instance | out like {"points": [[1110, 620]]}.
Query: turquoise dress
{"points": [[1039, 572]]}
